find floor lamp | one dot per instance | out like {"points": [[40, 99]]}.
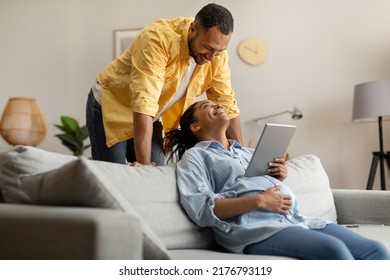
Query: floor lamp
{"points": [[372, 100]]}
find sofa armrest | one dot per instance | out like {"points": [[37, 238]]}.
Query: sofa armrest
{"points": [[362, 206], [46, 232]]}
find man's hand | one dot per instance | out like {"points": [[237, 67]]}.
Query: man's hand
{"points": [[137, 164], [278, 169], [275, 202]]}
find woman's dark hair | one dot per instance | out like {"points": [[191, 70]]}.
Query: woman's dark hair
{"points": [[215, 15], [177, 141]]}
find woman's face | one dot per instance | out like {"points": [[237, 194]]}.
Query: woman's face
{"points": [[209, 117]]}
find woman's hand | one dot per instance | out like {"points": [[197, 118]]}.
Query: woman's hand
{"points": [[278, 169], [269, 200], [275, 202]]}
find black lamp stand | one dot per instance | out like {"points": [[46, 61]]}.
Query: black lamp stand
{"points": [[380, 157]]}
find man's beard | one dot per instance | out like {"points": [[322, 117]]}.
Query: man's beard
{"points": [[191, 50]]}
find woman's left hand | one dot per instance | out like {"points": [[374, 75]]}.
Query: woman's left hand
{"points": [[278, 169]]}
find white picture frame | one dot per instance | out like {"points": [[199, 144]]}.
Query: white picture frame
{"points": [[123, 39]]}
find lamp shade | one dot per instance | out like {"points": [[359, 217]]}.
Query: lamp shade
{"points": [[371, 100], [22, 122]]}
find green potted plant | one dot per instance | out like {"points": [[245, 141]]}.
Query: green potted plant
{"points": [[73, 135]]}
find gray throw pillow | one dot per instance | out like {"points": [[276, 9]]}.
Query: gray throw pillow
{"points": [[25, 160]]}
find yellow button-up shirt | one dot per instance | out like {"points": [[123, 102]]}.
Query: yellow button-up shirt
{"points": [[147, 75]]}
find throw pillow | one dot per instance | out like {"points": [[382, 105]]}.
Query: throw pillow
{"points": [[80, 183], [25, 160], [309, 181]]}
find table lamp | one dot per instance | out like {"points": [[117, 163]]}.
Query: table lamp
{"points": [[372, 101], [22, 122]]}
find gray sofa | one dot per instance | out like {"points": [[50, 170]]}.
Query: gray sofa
{"points": [[57, 206]]}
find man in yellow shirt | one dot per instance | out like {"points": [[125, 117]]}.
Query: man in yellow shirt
{"points": [[147, 88]]}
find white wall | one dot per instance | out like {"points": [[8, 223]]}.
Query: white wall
{"points": [[319, 50]]}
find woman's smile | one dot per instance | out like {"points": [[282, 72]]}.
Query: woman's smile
{"points": [[220, 110]]}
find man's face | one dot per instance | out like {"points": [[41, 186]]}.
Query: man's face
{"points": [[205, 45]]}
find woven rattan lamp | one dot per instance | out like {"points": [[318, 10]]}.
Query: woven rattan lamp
{"points": [[22, 122]]}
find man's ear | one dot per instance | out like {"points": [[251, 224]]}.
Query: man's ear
{"points": [[192, 29]]}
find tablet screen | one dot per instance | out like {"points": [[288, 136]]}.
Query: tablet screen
{"points": [[273, 143]]}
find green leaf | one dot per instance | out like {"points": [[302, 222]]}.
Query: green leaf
{"points": [[82, 134], [78, 152], [67, 144], [73, 136], [69, 139], [70, 146], [70, 124], [60, 127]]}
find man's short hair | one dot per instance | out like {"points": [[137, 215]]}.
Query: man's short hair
{"points": [[215, 15]]}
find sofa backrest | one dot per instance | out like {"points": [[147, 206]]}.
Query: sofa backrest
{"points": [[153, 194]]}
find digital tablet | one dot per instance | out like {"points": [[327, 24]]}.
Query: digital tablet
{"points": [[273, 143]]}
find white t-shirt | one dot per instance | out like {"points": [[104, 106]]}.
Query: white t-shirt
{"points": [[181, 91]]}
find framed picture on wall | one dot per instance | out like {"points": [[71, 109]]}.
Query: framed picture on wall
{"points": [[123, 39]]}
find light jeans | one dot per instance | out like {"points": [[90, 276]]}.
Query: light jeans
{"points": [[121, 152], [334, 242]]}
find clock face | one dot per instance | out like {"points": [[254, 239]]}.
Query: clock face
{"points": [[253, 50]]}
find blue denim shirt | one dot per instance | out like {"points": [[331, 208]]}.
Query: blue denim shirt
{"points": [[209, 171]]}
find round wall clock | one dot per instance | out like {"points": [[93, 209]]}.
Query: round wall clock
{"points": [[253, 50]]}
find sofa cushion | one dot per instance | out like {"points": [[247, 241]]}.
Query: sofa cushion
{"points": [[80, 183], [376, 232], [204, 254], [309, 181]]}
